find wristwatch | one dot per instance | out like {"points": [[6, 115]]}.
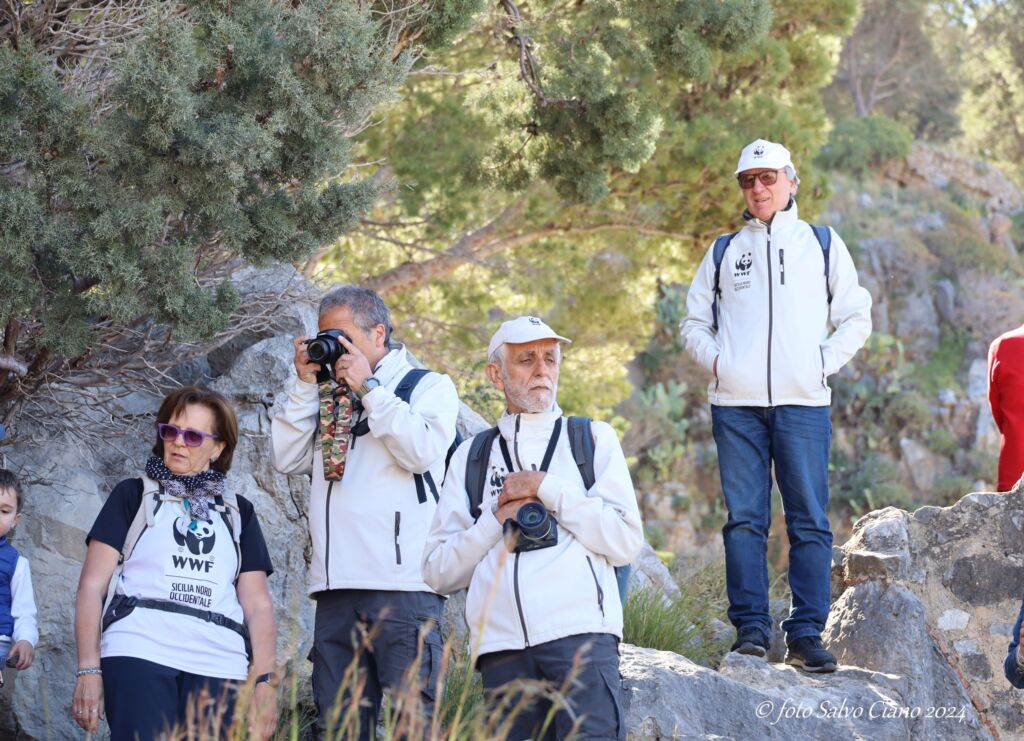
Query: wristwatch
{"points": [[367, 386]]}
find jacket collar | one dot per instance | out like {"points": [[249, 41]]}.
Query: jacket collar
{"points": [[395, 362], [782, 219], [529, 424]]}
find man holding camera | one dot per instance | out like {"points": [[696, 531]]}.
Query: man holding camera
{"points": [[377, 462], [536, 547], [773, 311]]}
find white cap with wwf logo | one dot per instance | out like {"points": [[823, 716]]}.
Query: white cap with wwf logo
{"points": [[762, 153], [520, 330]]}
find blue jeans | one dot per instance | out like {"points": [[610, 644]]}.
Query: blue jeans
{"points": [[796, 440]]}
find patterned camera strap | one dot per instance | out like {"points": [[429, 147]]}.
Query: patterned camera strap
{"points": [[335, 427]]}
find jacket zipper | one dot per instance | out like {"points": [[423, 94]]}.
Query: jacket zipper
{"points": [[822, 354], [782, 267], [519, 601], [770, 315], [327, 544], [515, 443], [398, 530], [600, 592]]}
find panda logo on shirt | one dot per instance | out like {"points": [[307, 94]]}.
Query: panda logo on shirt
{"points": [[200, 541]]}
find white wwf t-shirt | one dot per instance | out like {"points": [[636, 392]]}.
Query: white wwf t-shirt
{"points": [[196, 569]]}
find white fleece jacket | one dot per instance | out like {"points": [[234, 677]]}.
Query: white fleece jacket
{"points": [[775, 343], [368, 530], [522, 600]]}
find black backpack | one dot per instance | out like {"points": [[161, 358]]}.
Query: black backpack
{"points": [[404, 392]]}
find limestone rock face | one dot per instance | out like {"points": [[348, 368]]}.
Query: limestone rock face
{"points": [[931, 596]]}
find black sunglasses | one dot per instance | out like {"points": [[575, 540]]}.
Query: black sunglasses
{"points": [[192, 438]]}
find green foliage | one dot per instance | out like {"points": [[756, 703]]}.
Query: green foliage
{"points": [[950, 489], [901, 61], [858, 145], [907, 414], [943, 367], [681, 624], [224, 130], [960, 246], [572, 202], [942, 442]]}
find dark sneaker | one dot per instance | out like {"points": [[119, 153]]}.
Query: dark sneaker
{"points": [[751, 642], [808, 653]]}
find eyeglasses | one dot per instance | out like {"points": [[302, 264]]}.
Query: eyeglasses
{"points": [[193, 438], [768, 177]]}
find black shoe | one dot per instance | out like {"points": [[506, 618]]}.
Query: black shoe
{"points": [[809, 654], [751, 642]]}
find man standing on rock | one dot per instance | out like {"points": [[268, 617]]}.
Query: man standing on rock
{"points": [[775, 309], [374, 441], [535, 538], [1006, 397]]}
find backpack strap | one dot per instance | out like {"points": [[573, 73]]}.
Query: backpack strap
{"points": [[581, 442], [476, 468], [718, 253], [145, 516], [404, 391], [824, 236], [227, 506]]}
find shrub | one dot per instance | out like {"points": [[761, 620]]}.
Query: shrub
{"points": [[859, 144], [942, 442], [907, 414]]}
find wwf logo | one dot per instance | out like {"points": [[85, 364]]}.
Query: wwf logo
{"points": [[199, 541], [534, 320], [744, 263], [759, 151]]}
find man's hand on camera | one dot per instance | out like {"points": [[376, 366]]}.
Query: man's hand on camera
{"points": [[307, 371], [520, 485], [519, 488], [509, 510], [353, 368]]}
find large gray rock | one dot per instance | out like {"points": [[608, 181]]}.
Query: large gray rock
{"points": [[668, 697], [931, 597]]}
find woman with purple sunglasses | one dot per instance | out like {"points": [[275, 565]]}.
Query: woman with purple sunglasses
{"points": [[173, 612]]}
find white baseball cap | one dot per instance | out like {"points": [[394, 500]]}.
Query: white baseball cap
{"points": [[763, 153], [522, 329]]}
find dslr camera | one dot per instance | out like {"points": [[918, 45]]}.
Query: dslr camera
{"points": [[323, 350], [531, 529]]}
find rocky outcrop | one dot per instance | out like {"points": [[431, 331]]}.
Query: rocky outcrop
{"points": [[931, 596], [939, 166], [665, 696]]}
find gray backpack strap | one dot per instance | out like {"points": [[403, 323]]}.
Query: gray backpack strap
{"points": [[581, 442], [149, 503], [476, 468], [824, 236], [717, 254], [227, 505]]}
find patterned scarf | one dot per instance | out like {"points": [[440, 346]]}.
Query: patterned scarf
{"points": [[196, 492], [335, 427]]}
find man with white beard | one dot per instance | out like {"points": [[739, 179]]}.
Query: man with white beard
{"points": [[536, 546]]}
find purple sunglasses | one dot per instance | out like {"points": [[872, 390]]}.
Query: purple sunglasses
{"points": [[192, 438]]}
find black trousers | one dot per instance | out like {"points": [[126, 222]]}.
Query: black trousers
{"points": [[380, 631], [143, 700], [593, 694]]}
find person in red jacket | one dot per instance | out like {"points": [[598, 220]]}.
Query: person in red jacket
{"points": [[1006, 397]]}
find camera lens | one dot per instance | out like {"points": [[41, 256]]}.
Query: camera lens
{"points": [[318, 351], [531, 515]]}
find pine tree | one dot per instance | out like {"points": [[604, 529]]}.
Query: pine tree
{"points": [[178, 138], [567, 184]]}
